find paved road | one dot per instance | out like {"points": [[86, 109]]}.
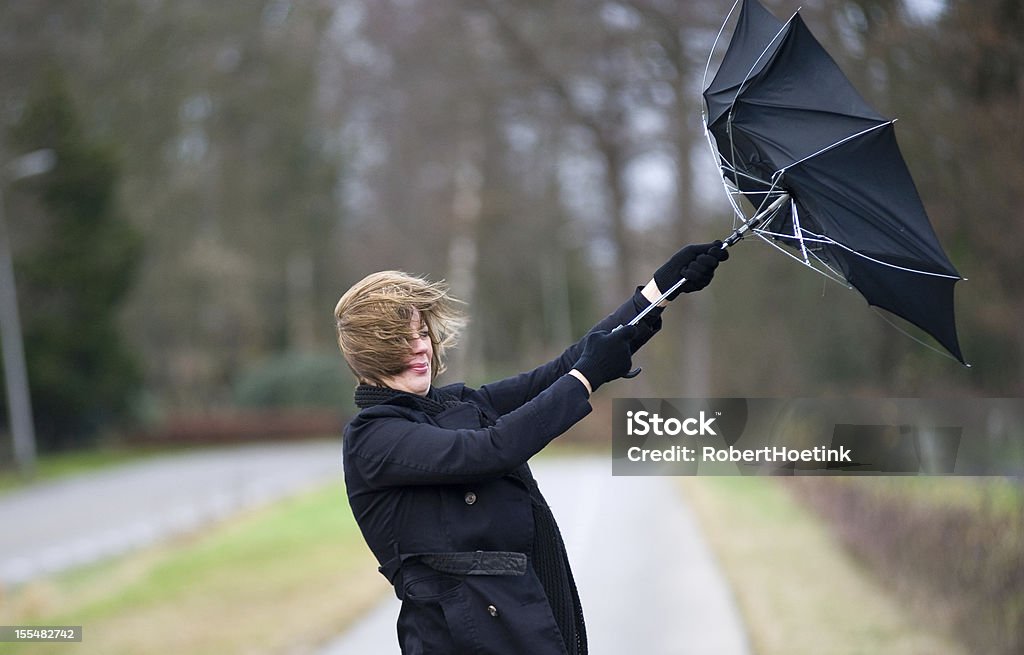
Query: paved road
{"points": [[51, 527], [648, 581]]}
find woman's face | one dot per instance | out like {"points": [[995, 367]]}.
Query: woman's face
{"points": [[417, 374]]}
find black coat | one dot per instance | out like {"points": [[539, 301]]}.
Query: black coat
{"points": [[445, 505]]}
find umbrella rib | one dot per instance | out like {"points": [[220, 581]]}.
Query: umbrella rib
{"points": [[748, 176], [707, 67], [836, 144], [838, 276], [810, 110], [739, 88], [835, 277], [769, 237], [714, 153], [797, 229], [910, 336], [731, 190], [736, 173], [830, 241], [732, 147]]}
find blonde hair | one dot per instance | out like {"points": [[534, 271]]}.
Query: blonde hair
{"points": [[374, 323]]}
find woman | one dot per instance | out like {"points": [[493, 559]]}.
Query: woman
{"points": [[437, 477]]}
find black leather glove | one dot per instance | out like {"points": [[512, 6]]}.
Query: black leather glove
{"points": [[606, 355], [697, 263]]}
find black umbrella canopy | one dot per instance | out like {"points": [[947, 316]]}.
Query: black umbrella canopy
{"points": [[785, 119]]}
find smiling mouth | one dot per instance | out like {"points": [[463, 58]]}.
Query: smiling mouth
{"points": [[419, 367]]}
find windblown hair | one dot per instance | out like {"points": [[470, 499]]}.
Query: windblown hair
{"points": [[374, 319]]}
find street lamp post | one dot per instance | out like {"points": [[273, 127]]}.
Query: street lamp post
{"points": [[19, 401]]}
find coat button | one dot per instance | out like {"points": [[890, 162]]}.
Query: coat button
{"points": [[492, 610], [470, 498]]}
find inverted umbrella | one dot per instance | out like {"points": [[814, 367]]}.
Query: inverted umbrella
{"points": [[823, 172]]}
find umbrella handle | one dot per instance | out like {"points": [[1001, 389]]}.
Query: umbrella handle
{"points": [[646, 310], [636, 371]]}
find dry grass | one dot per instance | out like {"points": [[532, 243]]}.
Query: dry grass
{"points": [[798, 591], [953, 547]]}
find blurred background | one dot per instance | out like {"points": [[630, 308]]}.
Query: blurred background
{"points": [[203, 181]]}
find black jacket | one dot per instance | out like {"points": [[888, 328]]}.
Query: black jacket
{"points": [[443, 498]]}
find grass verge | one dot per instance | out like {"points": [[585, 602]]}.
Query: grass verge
{"points": [[278, 579], [951, 546], [798, 591]]}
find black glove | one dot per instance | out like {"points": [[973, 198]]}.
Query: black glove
{"points": [[697, 263], [606, 355], [648, 325]]}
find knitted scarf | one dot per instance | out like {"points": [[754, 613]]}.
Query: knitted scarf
{"points": [[432, 404]]}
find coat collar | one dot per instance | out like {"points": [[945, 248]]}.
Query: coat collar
{"points": [[432, 404]]}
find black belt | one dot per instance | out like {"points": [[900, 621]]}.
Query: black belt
{"points": [[479, 562]]}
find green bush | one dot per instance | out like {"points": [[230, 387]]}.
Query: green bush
{"points": [[296, 380]]}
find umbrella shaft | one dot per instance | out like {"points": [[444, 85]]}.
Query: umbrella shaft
{"points": [[649, 308], [756, 221]]}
